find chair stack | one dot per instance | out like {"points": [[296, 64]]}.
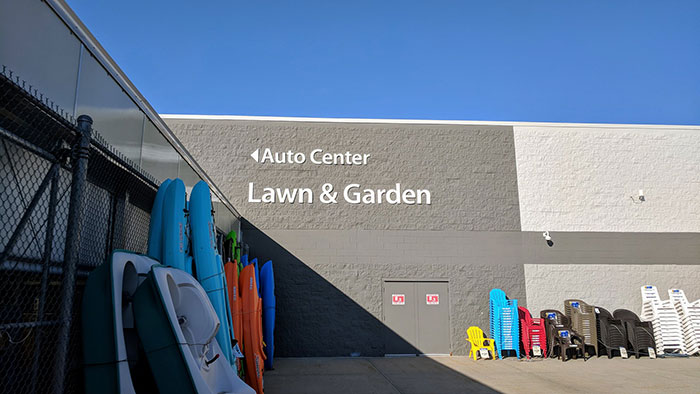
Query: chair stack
{"points": [[612, 334], [583, 321], [503, 314], [668, 332], [640, 334], [533, 333], [560, 336], [690, 319]]}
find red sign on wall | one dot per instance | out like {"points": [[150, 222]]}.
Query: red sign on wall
{"points": [[398, 299], [432, 299]]}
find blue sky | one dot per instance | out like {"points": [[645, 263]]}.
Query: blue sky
{"points": [[560, 61]]}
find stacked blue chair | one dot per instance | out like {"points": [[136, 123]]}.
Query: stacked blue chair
{"points": [[505, 326]]}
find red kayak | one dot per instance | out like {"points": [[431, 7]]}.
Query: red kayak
{"points": [[252, 329]]}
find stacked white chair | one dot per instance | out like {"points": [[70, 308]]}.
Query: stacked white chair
{"points": [[689, 313], [668, 332]]}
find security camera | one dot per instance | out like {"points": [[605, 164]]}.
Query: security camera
{"points": [[548, 238]]}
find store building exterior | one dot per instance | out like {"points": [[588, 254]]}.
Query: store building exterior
{"points": [[387, 235]]}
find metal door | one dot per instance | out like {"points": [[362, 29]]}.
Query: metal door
{"points": [[416, 316], [400, 317], [433, 335]]}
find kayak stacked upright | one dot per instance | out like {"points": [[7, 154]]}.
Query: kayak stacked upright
{"points": [[148, 327]]}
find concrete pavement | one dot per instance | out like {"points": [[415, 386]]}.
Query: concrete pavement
{"points": [[418, 375]]}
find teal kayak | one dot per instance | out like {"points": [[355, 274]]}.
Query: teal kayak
{"points": [[110, 342], [177, 325], [209, 267], [174, 244], [155, 229]]}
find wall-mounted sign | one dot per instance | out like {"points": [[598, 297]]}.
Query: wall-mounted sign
{"points": [[351, 193], [398, 299], [316, 156], [432, 299]]}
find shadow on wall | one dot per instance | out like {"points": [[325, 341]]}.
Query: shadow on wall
{"points": [[320, 320]]}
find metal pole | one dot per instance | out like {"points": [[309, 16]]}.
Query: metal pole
{"points": [[28, 212], [46, 257], [72, 251]]}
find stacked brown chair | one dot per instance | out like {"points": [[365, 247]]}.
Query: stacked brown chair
{"points": [[560, 336], [640, 335], [611, 333], [583, 321]]}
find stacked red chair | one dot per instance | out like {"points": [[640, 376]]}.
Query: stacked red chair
{"points": [[533, 333]]}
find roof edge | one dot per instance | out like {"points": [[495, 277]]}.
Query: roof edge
{"points": [[423, 121]]}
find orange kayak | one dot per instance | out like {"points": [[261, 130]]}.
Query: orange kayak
{"points": [[252, 329], [234, 300]]}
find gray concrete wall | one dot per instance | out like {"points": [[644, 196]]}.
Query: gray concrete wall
{"points": [[608, 269], [587, 178], [329, 282], [331, 260], [470, 171], [582, 178], [611, 286], [331, 279]]}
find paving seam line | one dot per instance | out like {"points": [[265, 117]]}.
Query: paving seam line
{"points": [[385, 377]]}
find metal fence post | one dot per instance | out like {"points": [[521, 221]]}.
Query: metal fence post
{"points": [[46, 260], [72, 251]]}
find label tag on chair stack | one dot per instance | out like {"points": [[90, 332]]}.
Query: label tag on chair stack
{"points": [[536, 351], [623, 352], [652, 353], [484, 353]]}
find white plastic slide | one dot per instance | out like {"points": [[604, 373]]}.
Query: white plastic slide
{"points": [[668, 332], [689, 313]]}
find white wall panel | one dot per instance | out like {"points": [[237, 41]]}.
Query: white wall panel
{"points": [[584, 178]]}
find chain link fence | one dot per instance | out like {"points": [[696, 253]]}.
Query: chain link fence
{"points": [[67, 199]]}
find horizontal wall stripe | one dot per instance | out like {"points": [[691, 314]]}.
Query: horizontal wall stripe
{"points": [[489, 247]]}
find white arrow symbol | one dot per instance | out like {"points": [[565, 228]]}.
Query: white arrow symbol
{"points": [[254, 155]]}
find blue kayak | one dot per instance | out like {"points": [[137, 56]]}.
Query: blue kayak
{"points": [[210, 271], [174, 244], [257, 272], [267, 285], [155, 229]]}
